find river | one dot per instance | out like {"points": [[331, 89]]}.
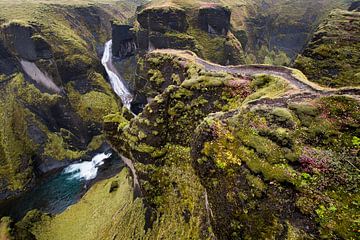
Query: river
{"points": [[54, 193]]}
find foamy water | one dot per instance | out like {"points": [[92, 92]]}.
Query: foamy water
{"points": [[114, 77], [87, 170]]}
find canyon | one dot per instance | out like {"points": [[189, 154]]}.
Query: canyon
{"points": [[179, 119]]}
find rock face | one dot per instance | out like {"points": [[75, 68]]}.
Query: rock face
{"points": [[123, 41], [273, 165], [24, 41], [204, 30], [163, 19], [331, 57], [214, 19]]}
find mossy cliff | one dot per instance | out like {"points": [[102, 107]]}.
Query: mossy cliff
{"points": [[204, 29], [276, 31], [289, 172], [158, 139], [287, 169], [271, 32], [332, 56], [53, 93]]}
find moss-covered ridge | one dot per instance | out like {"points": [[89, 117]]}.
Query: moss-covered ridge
{"points": [[331, 58], [289, 170], [259, 160]]}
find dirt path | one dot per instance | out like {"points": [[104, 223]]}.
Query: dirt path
{"points": [[293, 76]]}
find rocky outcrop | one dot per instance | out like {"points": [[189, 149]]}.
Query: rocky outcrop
{"points": [[123, 41], [331, 57], [163, 19], [23, 40], [277, 160], [214, 19], [204, 30]]}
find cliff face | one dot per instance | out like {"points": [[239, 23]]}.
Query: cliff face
{"points": [[204, 30], [124, 41], [332, 56], [272, 29], [53, 93], [214, 19]]}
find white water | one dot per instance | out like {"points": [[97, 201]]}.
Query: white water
{"points": [[115, 78], [87, 170]]}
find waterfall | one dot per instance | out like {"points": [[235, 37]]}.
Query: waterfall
{"points": [[86, 170], [116, 79]]}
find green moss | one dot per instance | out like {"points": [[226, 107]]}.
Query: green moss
{"points": [[282, 115], [176, 79], [96, 142], [89, 219], [16, 146], [156, 77], [267, 86], [117, 118], [92, 106], [203, 82], [56, 148], [305, 113], [5, 230], [142, 147]]}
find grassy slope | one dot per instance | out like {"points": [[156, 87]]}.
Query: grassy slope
{"points": [[92, 216]]}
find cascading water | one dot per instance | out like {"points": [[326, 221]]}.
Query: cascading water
{"points": [[86, 170], [115, 78], [55, 193]]}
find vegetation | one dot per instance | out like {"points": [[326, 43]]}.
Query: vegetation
{"points": [[331, 59], [213, 154]]}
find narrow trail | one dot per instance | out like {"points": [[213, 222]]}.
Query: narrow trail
{"points": [[293, 76]]}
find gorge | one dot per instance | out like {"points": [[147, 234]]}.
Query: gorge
{"points": [[171, 119]]}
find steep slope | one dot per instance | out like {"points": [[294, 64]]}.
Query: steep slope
{"points": [[332, 56], [262, 140], [53, 93], [218, 152]]}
